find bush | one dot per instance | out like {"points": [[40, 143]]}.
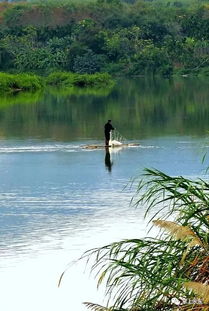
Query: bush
{"points": [[9, 82], [81, 80], [26, 81], [30, 82], [60, 78]]}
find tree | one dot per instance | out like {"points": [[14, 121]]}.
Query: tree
{"points": [[88, 63], [151, 59]]}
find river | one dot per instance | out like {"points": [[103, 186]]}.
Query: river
{"points": [[59, 199]]}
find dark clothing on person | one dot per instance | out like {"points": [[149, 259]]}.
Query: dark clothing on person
{"points": [[107, 135], [107, 129]]}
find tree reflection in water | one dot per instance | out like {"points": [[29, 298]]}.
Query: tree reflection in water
{"points": [[140, 107]]}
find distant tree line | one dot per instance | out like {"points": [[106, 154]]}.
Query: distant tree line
{"points": [[119, 37]]}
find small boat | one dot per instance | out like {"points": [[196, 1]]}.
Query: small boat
{"points": [[110, 146], [115, 142]]}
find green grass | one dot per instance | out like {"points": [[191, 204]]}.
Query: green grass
{"points": [[67, 79], [32, 82], [20, 82]]}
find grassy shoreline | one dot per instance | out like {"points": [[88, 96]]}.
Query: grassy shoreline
{"points": [[31, 82], [19, 82]]}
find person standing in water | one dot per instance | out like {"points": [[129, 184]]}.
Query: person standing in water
{"points": [[107, 129]]}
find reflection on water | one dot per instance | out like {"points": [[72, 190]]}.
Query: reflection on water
{"points": [[139, 108], [58, 199], [60, 189], [108, 161]]}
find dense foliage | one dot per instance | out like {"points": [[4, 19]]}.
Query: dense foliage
{"points": [[19, 82], [120, 37], [32, 82], [66, 79]]}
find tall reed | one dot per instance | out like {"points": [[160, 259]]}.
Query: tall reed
{"points": [[171, 271]]}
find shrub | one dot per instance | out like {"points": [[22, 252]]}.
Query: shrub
{"points": [[60, 78], [80, 80], [9, 82]]}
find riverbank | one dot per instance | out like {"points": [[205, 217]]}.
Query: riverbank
{"points": [[31, 82]]}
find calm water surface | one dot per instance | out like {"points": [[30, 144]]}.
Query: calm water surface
{"points": [[59, 199]]}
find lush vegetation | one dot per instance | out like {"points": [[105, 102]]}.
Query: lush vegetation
{"points": [[120, 37], [19, 82], [66, 79], [32, 82], [170, 272]]}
